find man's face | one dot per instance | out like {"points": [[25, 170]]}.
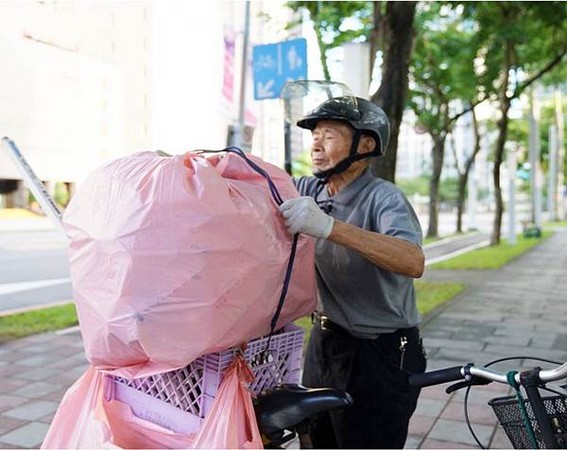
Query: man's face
{"points": [[331, 144]]}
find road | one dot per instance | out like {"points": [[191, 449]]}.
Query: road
{"points": [[34, 269]]}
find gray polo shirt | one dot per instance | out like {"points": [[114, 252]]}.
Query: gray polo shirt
{"points": [[353, 292]]}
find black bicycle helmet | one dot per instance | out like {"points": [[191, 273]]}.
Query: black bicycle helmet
{"points": [[364, 116]]}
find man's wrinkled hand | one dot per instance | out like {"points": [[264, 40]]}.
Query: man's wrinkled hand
{"points": [[303, 215]]}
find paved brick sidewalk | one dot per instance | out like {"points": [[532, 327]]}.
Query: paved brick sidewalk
{"points": [[520, 309], [35, 371]]}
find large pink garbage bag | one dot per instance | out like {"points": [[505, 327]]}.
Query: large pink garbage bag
{"points": [[175, 257]]}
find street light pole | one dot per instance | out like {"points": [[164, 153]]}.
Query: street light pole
{"points": [[552, 174], [560, 145], [534, 155], [237, 139], [512, 197]]}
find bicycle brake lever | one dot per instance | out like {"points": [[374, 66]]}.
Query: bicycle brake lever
{"points": [[474, 381]]}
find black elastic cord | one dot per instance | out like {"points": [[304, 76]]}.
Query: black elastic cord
{"points": [[278, 199]]}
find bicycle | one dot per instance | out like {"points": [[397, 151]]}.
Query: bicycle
{"points": [[287, 411], [540, 421]]}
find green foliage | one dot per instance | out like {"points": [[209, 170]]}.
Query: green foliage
{"points": [[536, 32], [448, 188], [339, 22], [442, 69], [411, 186], [518, 131], [301, 166], [335, 23], [61, 194]]}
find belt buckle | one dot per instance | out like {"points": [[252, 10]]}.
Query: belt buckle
{"points": [[323, 320]]}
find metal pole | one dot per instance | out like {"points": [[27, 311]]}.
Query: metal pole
{"points": [[472, 187], [512, 197], [239, 129], [560, 142], [287, 147], [534, 153], [552, 174]]}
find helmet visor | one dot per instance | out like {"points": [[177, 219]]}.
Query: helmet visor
{"points": [[301, 97]]}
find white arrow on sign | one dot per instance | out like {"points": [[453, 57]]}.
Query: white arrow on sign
{"points": [[265, 90]]}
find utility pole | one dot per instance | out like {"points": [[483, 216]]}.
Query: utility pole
{"points": [[238, 132], [534, 156], [560, 145], [511, 160], [552, 188], [472, 185]]}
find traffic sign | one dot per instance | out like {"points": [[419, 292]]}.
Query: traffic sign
{"points": [[276, 64]]}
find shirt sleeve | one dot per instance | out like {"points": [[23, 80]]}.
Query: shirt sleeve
{"points": [[397, 218]]}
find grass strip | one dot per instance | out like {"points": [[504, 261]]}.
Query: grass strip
{"points": [[19, 325], [430, 294], [494, 257]]}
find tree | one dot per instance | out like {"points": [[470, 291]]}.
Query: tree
{"points": [[443, 82], [465, 171], [388, 26], [394, 35], [522, 42]]}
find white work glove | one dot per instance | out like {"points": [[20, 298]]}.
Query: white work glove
{"points": [[303, 215]]}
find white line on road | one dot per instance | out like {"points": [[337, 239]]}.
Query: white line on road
{"points": [[10, 288]]}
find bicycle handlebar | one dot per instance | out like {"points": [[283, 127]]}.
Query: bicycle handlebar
{"points": [[455, 373], [436, 377]]}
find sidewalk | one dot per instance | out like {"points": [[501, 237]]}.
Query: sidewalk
{"points": [[520, 309]]}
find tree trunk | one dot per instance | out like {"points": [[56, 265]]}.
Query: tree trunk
{"points": [[499, 150], [464, 177], [437, 153], [395, 30]]}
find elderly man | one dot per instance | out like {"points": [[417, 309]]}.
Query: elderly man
{"points": [[365, 337]]}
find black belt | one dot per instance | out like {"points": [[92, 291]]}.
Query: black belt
{"points": [[324, 323]]}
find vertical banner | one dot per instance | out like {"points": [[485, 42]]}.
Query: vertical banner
{"points": [[228, 67]]}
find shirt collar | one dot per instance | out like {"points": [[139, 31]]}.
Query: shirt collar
{"points": [[352, 189]]}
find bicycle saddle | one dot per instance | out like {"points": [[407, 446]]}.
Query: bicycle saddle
{"points": [[288, 405]]}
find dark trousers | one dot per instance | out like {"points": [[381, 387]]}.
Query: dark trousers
{"points": [[375, 373]]}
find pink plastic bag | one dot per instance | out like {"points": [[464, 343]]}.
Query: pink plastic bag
{"points": [[231, 422], [75, 424], [175, 257]]}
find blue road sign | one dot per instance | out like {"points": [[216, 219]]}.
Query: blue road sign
{"points": [[276, 64]]}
